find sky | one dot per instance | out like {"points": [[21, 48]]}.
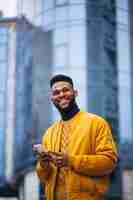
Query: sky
{"points": [[8, 7]]}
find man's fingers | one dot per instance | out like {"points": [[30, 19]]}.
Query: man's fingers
{"points": [[55, 153], [44, 157]]}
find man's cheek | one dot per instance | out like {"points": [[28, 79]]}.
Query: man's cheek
{"points": [[54, 100], [69, 97]]}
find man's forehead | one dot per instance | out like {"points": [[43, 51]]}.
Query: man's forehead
{"points": [[61, 84]]}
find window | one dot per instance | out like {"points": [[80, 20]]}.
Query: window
{"points": [[3, 31], [95, 99], [77, 46], [2, 83], [3, 39], [3, 52], [49, 18], [20, 108], [48, 4], [60, 36], [3, 68], [38, 7], [55, 114], [77, 12], [61, 14], [60, 56], [2, 101], [61, 2], [20, 121], [2, 157], [38, 20], [3, 35], [77, 1], [2, 120]]}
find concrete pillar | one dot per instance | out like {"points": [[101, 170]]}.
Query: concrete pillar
{"points": [[10, 105], [31, 186]]}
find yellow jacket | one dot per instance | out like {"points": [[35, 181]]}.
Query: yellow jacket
{"points": [[92, 157]]}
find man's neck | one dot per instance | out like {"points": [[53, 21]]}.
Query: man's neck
{"points": [[70, 113]]}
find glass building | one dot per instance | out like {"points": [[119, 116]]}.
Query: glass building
{"points": [[82, 44], [3, 69], [23, 96], [78, 49], [125, 66], [15, 99], [125, 80]]}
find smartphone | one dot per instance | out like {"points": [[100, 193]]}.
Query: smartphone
{"points": [[37, 149]]}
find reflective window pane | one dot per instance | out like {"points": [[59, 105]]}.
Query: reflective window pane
{"points": [[61, 14], [3, 80], [2, 121], [55, 114], [49, 18], [48, 4], [3, 67], [2, 100], [60, 56], [3, 30], [60, 36], [2, 156], [20, 122], [77, 1], [20, 85], [77, 12], [77, 46], [3, 39], [3, 53], [61, 2], [38, 20], [38, 7]]}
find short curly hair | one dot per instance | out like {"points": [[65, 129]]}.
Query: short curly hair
{"points": [[60, 77]]}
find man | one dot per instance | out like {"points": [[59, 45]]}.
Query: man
{"points": [[78, 152]]}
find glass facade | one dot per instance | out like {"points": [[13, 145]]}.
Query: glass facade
{"points": [[110, 69], [124, 34], [42, 66], [64, 19], [23, 130], [3, 81]]}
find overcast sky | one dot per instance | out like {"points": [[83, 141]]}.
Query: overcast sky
{"points": [[8, 7]]}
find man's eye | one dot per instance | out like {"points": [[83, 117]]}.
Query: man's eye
{"points": [[65, 90], [55, 93]]}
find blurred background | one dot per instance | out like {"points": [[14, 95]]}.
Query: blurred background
{"points": [[90, 40]]}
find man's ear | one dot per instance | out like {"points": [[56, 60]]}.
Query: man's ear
{"points": [[76, 93]]}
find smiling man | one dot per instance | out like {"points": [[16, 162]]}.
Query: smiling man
{"points": [[78, 151]]}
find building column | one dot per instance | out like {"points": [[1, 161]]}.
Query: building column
{"points": [[10, 104], [30, 188], [124, 70]]}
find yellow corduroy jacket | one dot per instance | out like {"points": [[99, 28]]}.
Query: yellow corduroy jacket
{"points": [[92, 157]]}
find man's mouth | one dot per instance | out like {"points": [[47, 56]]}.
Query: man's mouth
{"points": [[63, 102]]}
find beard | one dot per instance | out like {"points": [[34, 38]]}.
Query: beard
{"points": [[68, 108]]}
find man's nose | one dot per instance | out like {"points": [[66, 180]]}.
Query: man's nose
{"points": [[61, 93]]}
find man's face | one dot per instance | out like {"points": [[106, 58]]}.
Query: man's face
{"points": [[62, 94]]}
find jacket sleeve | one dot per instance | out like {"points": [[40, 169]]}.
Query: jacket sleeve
{"points": [[103, 161], [44, 172]]}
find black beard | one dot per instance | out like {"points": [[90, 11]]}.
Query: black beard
{"points": [[68, 112], [67, 109]]}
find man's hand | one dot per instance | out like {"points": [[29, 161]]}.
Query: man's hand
{"points": [[44, 159], [42, 154], [60, 159]]}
